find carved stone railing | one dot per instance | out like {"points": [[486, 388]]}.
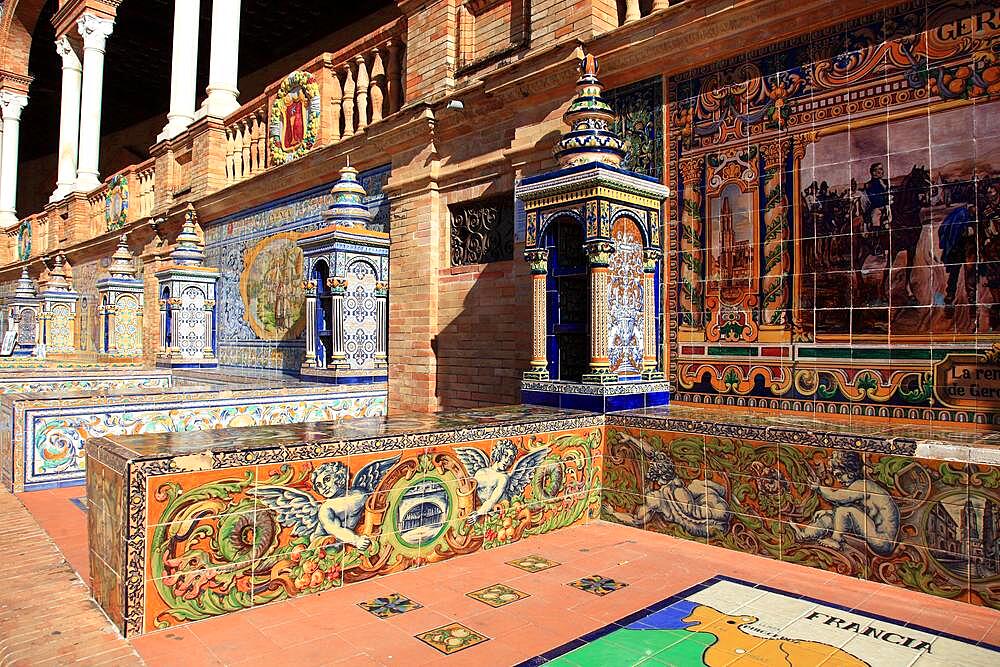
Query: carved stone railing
{"points": [[31, 238], [145, 176], [246, 131], [123, 198], [95, 208]]}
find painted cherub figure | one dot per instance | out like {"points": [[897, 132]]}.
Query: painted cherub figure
{"points": [[493, 482], [865, 511], [699, 506], [340, 511]]}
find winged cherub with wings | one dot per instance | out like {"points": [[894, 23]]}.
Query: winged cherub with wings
{"points": [[338, 514], [493, 482]]}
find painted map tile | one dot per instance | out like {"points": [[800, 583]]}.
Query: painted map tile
{"points": [[725, 620]]}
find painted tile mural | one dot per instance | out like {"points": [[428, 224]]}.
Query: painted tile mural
{"points": [[261, 303], [228, 539], [837, 219], [928, 525]]}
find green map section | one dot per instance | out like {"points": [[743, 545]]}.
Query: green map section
{"points": [[628, 647]]}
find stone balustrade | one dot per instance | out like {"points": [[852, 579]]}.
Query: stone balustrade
{"points": [[124, 198], [246, 153], [145, 175]]}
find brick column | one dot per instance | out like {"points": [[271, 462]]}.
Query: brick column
{"points": [[417, 220]]}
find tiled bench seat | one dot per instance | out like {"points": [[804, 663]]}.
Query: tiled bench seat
{"points": [[184, 526]]}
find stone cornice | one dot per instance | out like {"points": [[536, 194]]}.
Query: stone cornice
{"points": [[16, 83], [65, 19]]}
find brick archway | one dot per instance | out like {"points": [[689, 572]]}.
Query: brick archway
{"points": [[16, 28]]}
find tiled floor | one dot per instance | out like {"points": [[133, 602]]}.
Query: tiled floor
{"points": [[444, 614]]}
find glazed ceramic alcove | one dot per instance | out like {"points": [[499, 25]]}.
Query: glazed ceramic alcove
{"points": [[23, 311], [121, 307], [187, 304], [593, 239], [347, 275], [58, 316]]}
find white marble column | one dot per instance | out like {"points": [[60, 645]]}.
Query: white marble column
{"points": [[11, 105], [69, 118], [95, 31], [183, 68], [224, 63]]}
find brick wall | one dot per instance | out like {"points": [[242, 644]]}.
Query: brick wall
{"points": [[553, 20], [483, 342], [431, 46]]}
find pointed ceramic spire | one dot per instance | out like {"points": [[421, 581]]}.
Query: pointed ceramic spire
{"points": [[57, 277], [591, 137], [189, 250], [25, 286], [122, 262], [348, 208]]}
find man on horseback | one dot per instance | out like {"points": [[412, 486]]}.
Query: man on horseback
{"points": [[879, 199]]}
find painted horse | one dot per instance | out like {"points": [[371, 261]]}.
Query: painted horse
{"points": [[904, 228]]}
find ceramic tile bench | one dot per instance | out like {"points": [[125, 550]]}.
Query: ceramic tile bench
{"points": [[42, 436], [184, 526], [910, 506]]}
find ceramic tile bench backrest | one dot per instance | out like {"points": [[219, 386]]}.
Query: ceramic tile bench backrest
{"points": [[910, 507], [227, 520], [39, 382], [42, 437]]}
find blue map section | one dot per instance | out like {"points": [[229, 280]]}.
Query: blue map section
{"points": [[669, 618]]}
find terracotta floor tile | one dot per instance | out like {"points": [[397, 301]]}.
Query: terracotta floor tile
{"points": [[161, 647], [458, 605], [276, 613], [991, 634], [331, 629], [384, 644], [418, 620], [498, 622], [233, 637]]}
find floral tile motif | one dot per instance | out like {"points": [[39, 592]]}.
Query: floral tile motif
{"points": [[390, 605], [497, 595], [532, 563], [597, 585], [452, 638]]}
